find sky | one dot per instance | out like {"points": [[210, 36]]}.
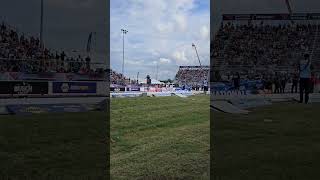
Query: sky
{"points": [[67, 23], [160, 34]]}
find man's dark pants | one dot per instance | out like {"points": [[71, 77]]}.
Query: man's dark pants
{"points": [[304, 89]]}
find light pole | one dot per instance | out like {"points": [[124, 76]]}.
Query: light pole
{"points": [[41, 25], [157, 67], [123, 33], [193, 45], [138, 78]]}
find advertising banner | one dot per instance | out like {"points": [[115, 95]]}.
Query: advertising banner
{"points": [[23, 88], [74, 87], [135, 89], [117, 89]]}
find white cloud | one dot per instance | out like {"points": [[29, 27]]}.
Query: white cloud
{"points": [[159, 30], [181, 21], [164, 61], [205, 32], [180, 57]]}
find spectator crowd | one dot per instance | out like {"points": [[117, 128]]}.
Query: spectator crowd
{"points": [[191, 76], [260, 44], [20, 53], [118, 78], [269, 52]]}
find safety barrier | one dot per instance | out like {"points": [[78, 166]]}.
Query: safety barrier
{"points": [[52, 88]]}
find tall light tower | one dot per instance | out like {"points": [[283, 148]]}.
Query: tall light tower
{"points": [[138, 78], [289, 7], [41, 25], [194, 46], [123, 33]]}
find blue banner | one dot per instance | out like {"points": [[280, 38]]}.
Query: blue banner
{"points": [[74, 87], [244, 84]]}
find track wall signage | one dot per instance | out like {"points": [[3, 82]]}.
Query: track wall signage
{"points": [[74, 87], [23, 87]]}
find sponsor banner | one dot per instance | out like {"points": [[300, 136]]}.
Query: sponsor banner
{"points": [[117, 89], [23, 88], [45, 108], [135, 89], [74, 87], [244, 85]]}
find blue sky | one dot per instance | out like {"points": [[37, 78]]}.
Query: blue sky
{"points": [[160, 32]]}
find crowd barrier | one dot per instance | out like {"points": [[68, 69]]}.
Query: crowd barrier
{"points": [[53, 88]]}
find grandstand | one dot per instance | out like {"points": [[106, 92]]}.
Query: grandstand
{"points": [[193, 76], [19, 53], [27, 69], [263, 43], [265, 47], [118, 78]]}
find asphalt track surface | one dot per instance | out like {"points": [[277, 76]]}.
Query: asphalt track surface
{"points": [[57, 100]]}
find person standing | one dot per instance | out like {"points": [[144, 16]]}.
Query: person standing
{"points": [[205, 86], [283, 83], [305, 75], [236, 82], [277, 84], [294, 87]]}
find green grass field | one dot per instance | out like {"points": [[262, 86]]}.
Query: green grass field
{"points": [[53, 146], [160, 138], [164, 138], [278, 142]]}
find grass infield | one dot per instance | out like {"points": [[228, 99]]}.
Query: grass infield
{"points": [[160, 138], [164, 138], [53, 146], [277, 142]]}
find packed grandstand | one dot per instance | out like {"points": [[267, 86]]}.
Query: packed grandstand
{"points": [[27, 68], [21, 53], [264, 50], [193, 76]]}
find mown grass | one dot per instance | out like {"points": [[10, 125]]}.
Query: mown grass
{"points": [[160, 138], [53, 146], [278, 142]]}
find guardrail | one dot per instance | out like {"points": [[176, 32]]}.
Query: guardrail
{"points": [[52, 88]]}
